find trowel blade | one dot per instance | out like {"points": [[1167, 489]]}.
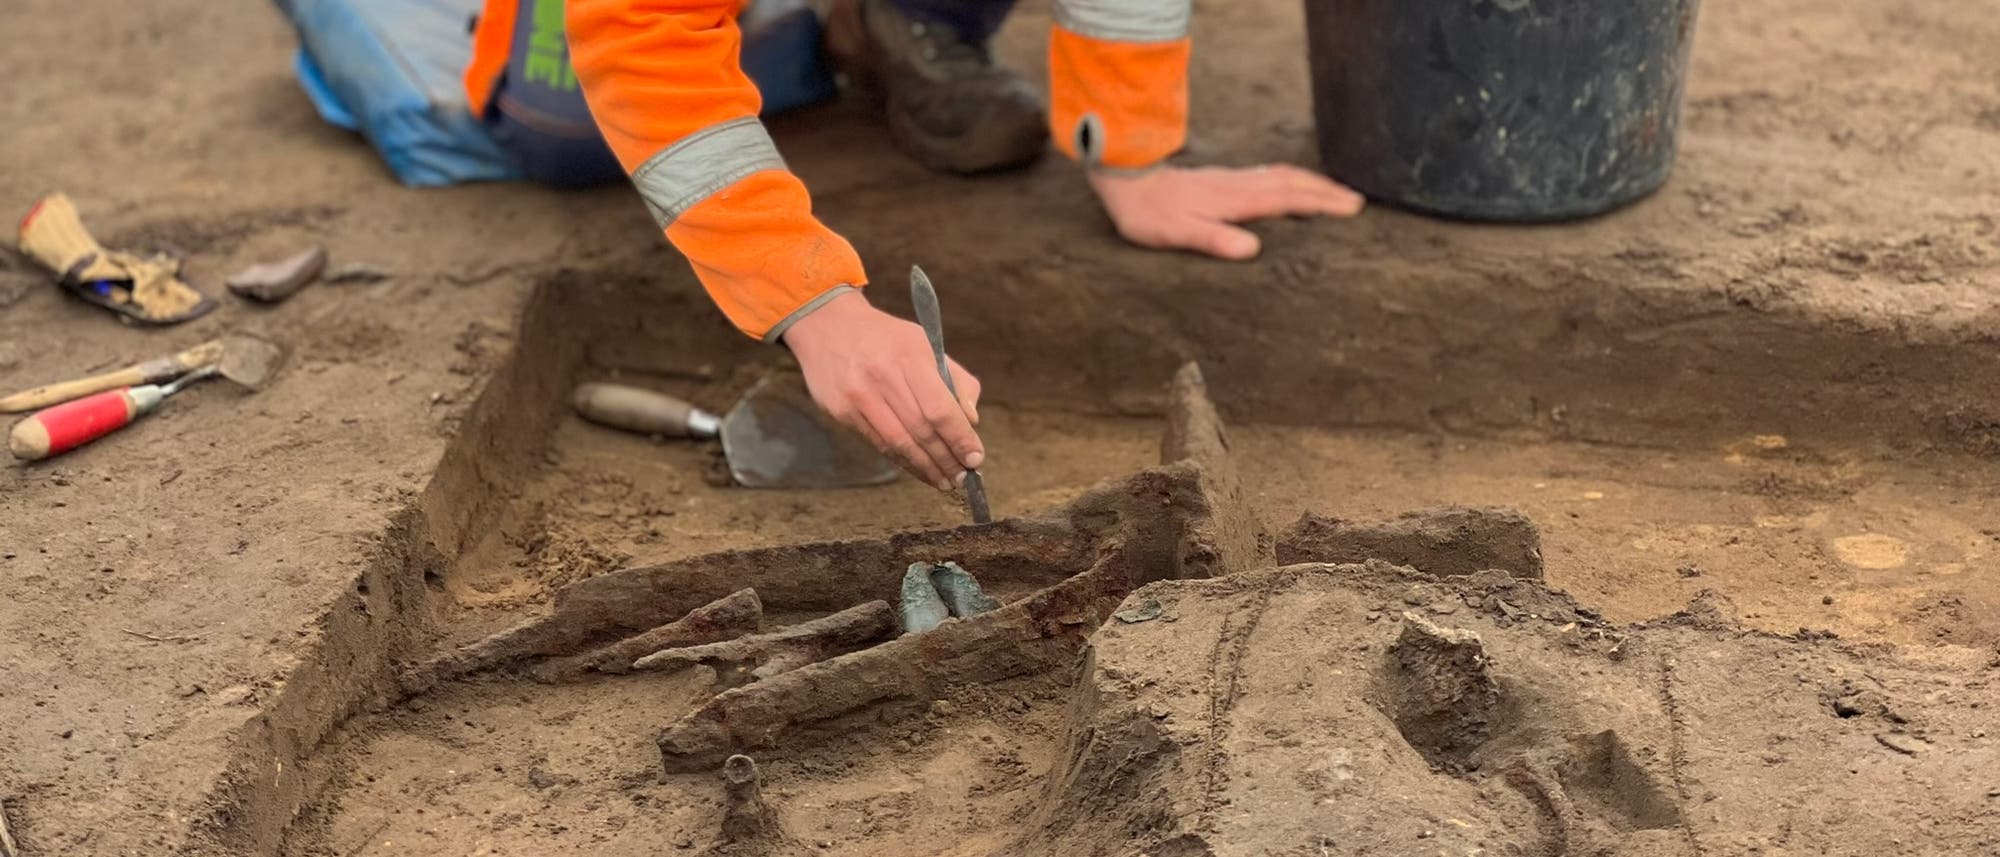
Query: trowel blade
{"points": [[777, 438], [250, 361]]}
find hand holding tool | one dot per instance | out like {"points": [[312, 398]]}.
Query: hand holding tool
{"points": [[156, 371], [924, 296]]}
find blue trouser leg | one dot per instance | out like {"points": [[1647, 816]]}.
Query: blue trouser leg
{"points": [[973, 20]]}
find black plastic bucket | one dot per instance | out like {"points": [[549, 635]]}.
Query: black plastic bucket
{"points": [[1515, 110]]}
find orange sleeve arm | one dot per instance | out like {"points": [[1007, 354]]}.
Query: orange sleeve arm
{"points": [[667, 90], [1118, 94], [492, 38]]}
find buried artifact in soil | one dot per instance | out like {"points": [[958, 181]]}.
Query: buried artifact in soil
{"points": [[1077, 562], [763, 656], [1355, 708], [1065, 572]]}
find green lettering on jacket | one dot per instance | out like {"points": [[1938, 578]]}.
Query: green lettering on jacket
{"points": [[548, 49]]}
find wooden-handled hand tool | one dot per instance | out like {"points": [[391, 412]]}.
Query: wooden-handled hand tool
{"points": [[246, 360], [155, 371], [71, 424], [775, 437], [932, 318], [643, 411]]}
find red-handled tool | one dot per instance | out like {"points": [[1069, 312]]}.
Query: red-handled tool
{"points": [[54, 431]]}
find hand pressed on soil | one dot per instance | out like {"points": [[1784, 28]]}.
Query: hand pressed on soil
{"points": [[874, 372], [1195, 208]]}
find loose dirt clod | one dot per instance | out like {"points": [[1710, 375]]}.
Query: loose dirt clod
{"points": [[1445, 541], [1445, 695], [271, 282], [726, 618], [763, 656]]}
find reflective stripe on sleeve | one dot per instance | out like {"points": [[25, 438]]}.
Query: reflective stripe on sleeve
{"points": [[682, 175], [1125, 20]]}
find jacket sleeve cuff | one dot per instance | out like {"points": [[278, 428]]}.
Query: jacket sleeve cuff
{"points": [[1117, 104], [777, 331], [761, 254]]}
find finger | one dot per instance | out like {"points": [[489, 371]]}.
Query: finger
{"points": [[894, 441], [948, 417], [854, 420], [968, 393], [1283, 191], [915, 415], [1335, 199], [1213, 237]]}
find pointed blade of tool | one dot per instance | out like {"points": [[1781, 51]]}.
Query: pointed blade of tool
{"points": [[925, 298]]}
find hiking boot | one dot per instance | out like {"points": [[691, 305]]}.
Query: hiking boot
{"points": [[949, 106]]}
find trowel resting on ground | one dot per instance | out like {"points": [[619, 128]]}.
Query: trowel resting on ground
{"points": [[775, 437], [245, 360]]}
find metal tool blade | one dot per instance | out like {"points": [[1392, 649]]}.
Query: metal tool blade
{"points": [[202, 374], [776, 437], [250, 361], [931, 317]]}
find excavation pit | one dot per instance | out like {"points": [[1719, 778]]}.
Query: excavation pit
{"points": [[527, 730]]}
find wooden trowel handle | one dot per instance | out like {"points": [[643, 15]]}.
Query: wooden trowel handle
{"points": [[643, 411], [153, 371]]}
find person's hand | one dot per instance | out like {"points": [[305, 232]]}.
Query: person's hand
{"points": [[874, 372], [1196, 208]]}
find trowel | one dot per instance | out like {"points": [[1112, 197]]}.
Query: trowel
{"points": [[245, 360], [775, 436], [158, 370]]}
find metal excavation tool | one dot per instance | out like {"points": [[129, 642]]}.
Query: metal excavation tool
{"points": [[775, 437], [53, 431], [156, 371], [932, 319]]}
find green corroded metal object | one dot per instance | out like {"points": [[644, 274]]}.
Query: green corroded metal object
{"points": [[960, 591], [920, 606]]}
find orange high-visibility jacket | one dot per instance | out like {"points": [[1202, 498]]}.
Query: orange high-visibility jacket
{"points": [[666, 89]]}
